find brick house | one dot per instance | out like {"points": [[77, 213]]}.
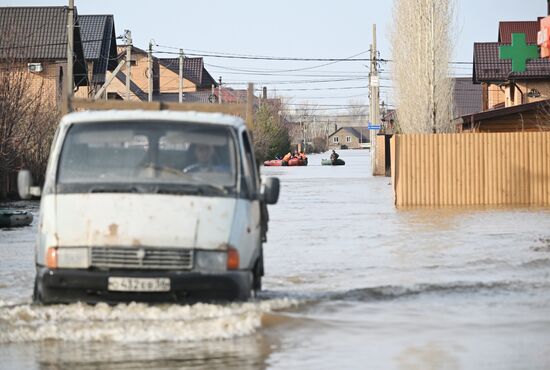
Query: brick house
{"points": [[195, 79], [35, 39], [349, 137], [510, 101], [197, 82], [139, 82], [500, 86]]}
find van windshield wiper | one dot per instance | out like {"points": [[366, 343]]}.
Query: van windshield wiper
{"points": [[114, 189], [198, 189]]}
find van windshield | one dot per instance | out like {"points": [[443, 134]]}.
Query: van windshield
{"points": [[167, 156]]}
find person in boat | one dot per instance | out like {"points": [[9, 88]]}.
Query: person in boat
{"points": [[287, 157], [334, 156]]}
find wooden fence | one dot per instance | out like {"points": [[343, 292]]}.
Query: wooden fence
{"points": [[471, 169]]}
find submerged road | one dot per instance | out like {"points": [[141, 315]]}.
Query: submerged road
{"points": [[351, 283]]}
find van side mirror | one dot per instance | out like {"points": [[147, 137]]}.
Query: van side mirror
{"points": [[270, 190], [25, 185]]}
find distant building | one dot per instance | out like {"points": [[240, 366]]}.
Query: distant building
{"points": [[349, 137]]}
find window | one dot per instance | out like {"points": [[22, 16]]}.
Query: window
{"points": [[249, 162], [348, 139], [336, 139]]}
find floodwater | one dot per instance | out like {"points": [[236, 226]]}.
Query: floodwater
{"points": [[351, 283]]}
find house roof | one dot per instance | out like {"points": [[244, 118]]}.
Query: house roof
{"points": [[467, 97], [357, 131], [488, 67], [529, 28], [40, 33], [99, 42], [502, 112], [193, 70]]}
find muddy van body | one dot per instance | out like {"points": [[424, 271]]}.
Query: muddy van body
{"points": [[150, 206]]}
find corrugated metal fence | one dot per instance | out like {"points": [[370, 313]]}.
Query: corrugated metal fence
{"points": [[471, 169]]}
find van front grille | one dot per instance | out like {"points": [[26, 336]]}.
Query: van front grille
{"points": [[142, 258]]}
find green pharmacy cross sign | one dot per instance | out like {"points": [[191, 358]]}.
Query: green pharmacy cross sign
{"points": [[519, 52]]}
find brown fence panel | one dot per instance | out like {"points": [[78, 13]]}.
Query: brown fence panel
{"points": [[471, 169]]}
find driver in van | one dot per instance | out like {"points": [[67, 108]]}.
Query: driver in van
{"points": [[204, 156]]}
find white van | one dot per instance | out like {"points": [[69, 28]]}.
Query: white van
{"points": [[150, 206]]}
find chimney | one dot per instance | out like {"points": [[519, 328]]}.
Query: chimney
{"points": [[264, 90]]}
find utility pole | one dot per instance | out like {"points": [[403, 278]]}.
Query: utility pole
{"points": [[150, 65], [432, 82], [182, 60], [220, 91], [128, 36], [374, 97], [69, 87], [249, 105]]}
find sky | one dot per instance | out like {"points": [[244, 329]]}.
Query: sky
{"points": [[292, 28]]}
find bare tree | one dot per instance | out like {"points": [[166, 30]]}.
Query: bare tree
{"points": [[359, 112], [421, 52], [27, 121]]}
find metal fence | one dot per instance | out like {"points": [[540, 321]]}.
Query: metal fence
{"points": [[471, 169]]}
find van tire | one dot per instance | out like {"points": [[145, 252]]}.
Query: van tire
{"points": [[36, 297], [257, 274]]}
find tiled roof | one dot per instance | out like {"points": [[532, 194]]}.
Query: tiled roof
{"points": [[488, 67], [529, 28], [40, 33], [514, 121], [467, 97], [360, 132], [99, 42], [230, 95], [193, 70]]}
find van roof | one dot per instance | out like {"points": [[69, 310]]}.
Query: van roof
{"points": [[143, 115]]}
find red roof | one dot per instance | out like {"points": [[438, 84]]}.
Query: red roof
{"points": [[529, 28]]}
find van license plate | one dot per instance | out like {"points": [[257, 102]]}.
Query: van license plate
{"points": [[123, 284]]}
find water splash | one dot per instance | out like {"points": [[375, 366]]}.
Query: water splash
{"points": [[134, 322]]}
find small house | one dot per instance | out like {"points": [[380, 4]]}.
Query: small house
{"points": [[349, 137]]}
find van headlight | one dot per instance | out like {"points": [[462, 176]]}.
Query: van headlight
{"points": [[77, 257], [210, 260]]}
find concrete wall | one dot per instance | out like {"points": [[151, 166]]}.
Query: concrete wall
{"points": [[472, 169]]}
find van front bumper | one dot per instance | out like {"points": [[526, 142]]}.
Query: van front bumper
{"points": [[91, 286]]}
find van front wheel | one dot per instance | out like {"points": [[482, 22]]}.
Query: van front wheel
{"points": [[36, 298], [257, 275]]}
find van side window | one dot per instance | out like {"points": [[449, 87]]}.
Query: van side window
{"points": [[249, 161]]}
